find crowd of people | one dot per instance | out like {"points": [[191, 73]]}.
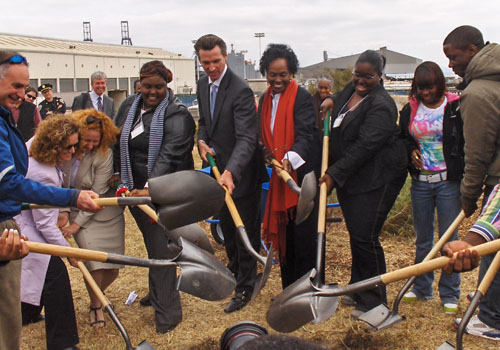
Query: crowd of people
{"points": [[448, 143]]}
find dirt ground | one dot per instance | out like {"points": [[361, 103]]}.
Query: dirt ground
{"points": [[426, 327]]}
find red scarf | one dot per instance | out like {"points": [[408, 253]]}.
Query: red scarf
{"points": [[281, 200]]}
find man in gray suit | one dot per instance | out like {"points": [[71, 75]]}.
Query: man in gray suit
{"points": [[228, 131], [95, 98]]}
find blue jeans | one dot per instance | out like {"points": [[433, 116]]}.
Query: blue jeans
{"points": [[426, 198]]}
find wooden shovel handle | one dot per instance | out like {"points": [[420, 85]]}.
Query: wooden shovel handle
{"points": [[490, 274], [103, 202], [323, 190], [434, 264], [93, 285], [282, 173], [68, 252], [145, 208], [229, 200], [446, 236]]}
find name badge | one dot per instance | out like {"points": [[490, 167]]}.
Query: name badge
{"points": [[338, 121], [139, 129]]}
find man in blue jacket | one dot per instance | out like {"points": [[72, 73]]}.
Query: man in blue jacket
{"points": [[14, 189]]}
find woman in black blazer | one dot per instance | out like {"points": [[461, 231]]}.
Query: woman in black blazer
{"points": [[367, 167], [290, 135]]}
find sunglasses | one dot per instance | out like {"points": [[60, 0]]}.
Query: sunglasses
{"points": [[91, 120], [17, 59], [31, 97], [69, 147]]}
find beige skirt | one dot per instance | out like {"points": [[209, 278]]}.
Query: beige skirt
{"points": [[105, 236]]}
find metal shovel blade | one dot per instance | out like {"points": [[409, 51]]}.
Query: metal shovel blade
{"points": [[186, 197], [144, 345], [446, 346], [380, 318], [202, 274], [306, 197], [193, 233], [298, 305], [262, 278]]}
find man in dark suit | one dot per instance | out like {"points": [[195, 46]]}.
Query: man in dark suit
{"points": [[228, 131], [95, 98]]}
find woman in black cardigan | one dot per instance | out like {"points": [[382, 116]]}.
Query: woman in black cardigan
{"points": [[367, 167]]}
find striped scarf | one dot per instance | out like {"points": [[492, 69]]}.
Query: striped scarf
{"points": [[155, 139]]}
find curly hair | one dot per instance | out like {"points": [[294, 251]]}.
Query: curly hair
{"points": [[275, 51], [51, 137], [92, 119]]}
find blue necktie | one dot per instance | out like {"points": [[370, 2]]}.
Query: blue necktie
{"points": [[213, 97]]}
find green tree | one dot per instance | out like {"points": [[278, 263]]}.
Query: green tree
{"points": [[341, 78]]}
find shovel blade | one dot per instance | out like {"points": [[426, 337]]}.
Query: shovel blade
{"points": [[296, 305], [144, 345], [306, 198], [202, 274], [380, 317], [262, 279], [193, 233], [446, 346], [186, 197]]}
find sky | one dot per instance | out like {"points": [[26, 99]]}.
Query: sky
{"points": [[340, 27]]}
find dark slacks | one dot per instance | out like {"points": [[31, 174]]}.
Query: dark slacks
{"points": [[164, 296], [241, 263], [364, 216], [301, 249], [57, 298]]}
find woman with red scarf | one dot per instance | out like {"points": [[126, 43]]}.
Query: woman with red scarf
{"points": [[289, 134]]}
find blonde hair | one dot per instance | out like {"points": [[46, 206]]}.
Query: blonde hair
{"points": [[51, 137], [100, 122]]}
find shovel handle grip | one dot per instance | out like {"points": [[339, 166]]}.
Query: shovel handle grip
{"points": [[283, 174], [68, 252], [93, 285], [434, 264]]}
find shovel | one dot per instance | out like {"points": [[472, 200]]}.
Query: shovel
{"points": [[144, 345], [381, 317], [306, 193], [266, 261], [327, 308], [184, 197], [481, 291], [193, 232], [303, 302], [202, 274]]}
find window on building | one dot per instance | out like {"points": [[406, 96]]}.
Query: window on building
{"points": [[82, 84], [111, 84], [66, 85], [123, 83]]}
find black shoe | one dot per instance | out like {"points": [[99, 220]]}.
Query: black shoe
{"points": [[145, 301], [37, 319], [239, 301]]}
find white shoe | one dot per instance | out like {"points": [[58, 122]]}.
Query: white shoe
{"points": [[450, 308], [477, 327], [410, 297]]}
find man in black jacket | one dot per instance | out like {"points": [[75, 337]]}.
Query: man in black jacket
{"points": [[228, 131]]}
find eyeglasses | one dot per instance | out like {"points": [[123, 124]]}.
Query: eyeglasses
{"points": [[69, 147], [17, 59], [31, 97], [91, 120], [362, 76]]}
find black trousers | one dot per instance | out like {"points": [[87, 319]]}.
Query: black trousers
{"points": [[364, 216], [163, 294], [301, 249], [57, 298], [241, 263]]}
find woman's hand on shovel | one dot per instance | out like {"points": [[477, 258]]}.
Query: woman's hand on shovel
{"points": [[330, 182], [70, 230]]}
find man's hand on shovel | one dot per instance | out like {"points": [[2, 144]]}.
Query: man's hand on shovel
{"points": [[85, 201], [330, 182], [203, 149], [466, 260]]}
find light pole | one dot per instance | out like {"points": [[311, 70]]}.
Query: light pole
{"points": [[243, 52], [260, 35], [197, 69]]}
